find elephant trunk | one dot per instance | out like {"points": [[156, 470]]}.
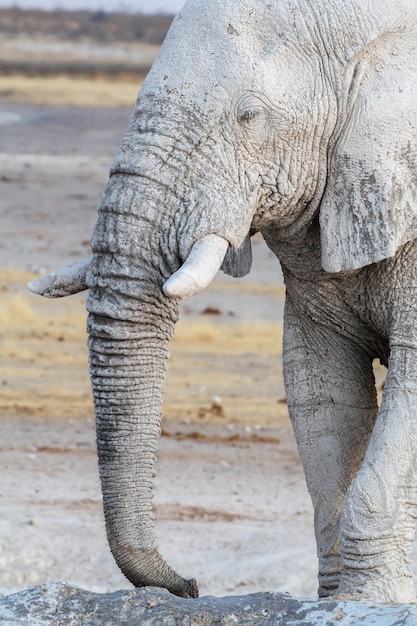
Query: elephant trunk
{"points": [[130, 325], [135, 279], [128, 364]]}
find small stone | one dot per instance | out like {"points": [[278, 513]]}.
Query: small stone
{"points": [[217, 402]]}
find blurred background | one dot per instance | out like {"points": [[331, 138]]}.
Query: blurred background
{"points": [[138, 6]]}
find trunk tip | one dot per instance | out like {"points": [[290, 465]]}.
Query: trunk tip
{"points": [[192, 588], [184, 588]]}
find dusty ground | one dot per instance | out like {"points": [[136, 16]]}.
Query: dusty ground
{"points": [[231, 511], [231, 504]]}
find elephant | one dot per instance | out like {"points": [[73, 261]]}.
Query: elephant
{"points": [[295, 119]]}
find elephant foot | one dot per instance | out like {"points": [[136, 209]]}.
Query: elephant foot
{"points": [[329, 573], [327, 592], [380, 589], [377, 528]]}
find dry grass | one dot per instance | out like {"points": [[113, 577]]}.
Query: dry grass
{"points": [[43, 369], [44, 372], [45, 71], [233, 339], [52, 50], [69, 91], [239, 363]]}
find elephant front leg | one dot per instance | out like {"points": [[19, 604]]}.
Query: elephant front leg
{"points": [[332, 404], [379, 516]]}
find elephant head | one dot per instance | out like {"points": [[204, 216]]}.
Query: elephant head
{"points": [[256, 116]]}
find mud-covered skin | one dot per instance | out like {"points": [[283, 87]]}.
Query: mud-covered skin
{"points": [[272, 116]]}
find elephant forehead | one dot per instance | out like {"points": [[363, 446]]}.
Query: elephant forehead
{"points": [[203, 47], [215, 50]]}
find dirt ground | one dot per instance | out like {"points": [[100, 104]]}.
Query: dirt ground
{"points": [[232, 508]]}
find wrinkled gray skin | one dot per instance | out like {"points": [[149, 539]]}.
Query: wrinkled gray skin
{"points": [[295, 118]]}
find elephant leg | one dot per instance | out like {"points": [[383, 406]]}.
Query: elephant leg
{"points": [[379, 516], [332, 404]]}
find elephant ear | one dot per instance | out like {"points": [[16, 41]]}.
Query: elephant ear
{"points": [[369, 207], [238, 262]]}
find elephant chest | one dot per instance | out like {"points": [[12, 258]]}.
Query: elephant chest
{"points": [[371, 306]]}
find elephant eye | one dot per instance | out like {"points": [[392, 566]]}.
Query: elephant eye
{"points": [[249, 110], [247, 116]]}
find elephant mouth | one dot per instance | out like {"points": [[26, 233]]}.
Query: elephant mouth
{"points": [[196, 273]]}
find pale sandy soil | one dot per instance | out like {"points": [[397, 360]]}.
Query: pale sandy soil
{"points": [[231, 504], [230, 511]]}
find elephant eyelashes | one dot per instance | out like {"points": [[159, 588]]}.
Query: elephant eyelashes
{"points": [[247, 116]]}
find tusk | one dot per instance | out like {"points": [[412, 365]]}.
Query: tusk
{"points": [[64, 282], [199, 269]]}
